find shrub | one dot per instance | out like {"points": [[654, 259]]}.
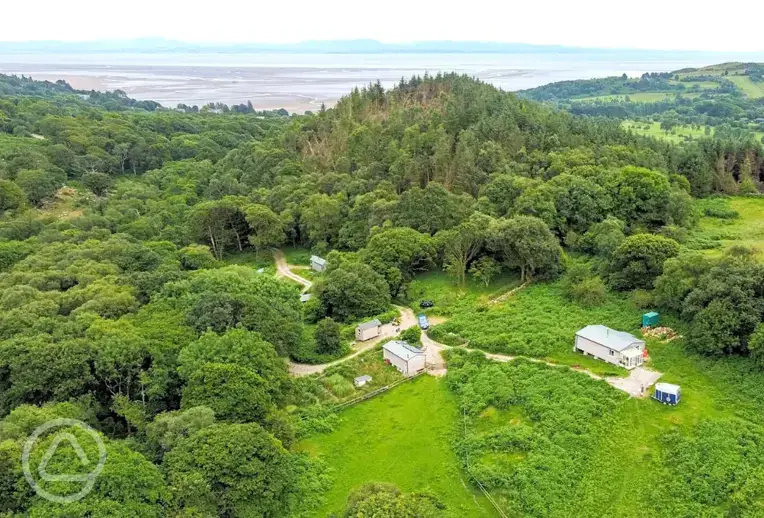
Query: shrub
{"points": [[412, 335], [589, 292], [639, 260], [643, 299], [388, 316], [328, 337], [196, 257]]}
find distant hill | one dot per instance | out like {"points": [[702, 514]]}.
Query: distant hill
{"points": [[746, 79], [359, 46], [722, 101]]}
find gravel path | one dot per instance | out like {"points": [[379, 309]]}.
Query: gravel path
{"points": [[406, 320], [636, 384]]}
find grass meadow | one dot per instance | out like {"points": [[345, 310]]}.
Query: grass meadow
{"points": [[653, 129], [749, 88], [720, 233], [402, 437], [639, 97], [677, 134], [527, 451]]}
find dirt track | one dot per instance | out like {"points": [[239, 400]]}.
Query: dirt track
{"points": [[636, 384], [407, 319], [282, 269]]}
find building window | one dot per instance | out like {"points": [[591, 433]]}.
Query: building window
{"points": [[612, 353]]}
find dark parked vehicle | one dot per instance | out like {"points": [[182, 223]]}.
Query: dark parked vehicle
{"points": [[426, 304]]}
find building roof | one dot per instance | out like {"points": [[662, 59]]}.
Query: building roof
{"points": [[401, 349], [317, 260], [610, 338], [667, 387], [363, 378], [369, 325]]}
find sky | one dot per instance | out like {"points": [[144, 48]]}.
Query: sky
{"points": [[646, 24]]}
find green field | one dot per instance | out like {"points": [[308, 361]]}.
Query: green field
{"points": [[677, 134], [644, 97], [402, 437], [704, 85], [539, 321], [749, 88], [622, 454], [746, 230], [450, 298]]}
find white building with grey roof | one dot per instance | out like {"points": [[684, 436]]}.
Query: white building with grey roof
{"points": [[317, 263], [616, 347], [368, 330], [406, 358]]}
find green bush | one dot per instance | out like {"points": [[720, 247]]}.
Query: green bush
{"points": [[388, 316], [643, 299], [589, 292], [412, 335], [439, 334]]}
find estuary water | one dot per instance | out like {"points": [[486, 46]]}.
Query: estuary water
{"points": [[301, 81]]}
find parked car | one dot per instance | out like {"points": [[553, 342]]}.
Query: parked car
{"points": [[426, 304], [423, 322]]}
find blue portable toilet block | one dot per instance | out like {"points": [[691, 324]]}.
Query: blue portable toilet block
{"points": [[667, 393]]}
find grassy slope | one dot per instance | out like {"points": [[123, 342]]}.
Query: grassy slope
{"points": [[747, 230], [749, 88], [402, 437]]}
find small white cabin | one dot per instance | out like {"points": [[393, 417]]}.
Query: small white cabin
{"points": [[616, 347], [317, 263], [368, 330], [406, 358]]}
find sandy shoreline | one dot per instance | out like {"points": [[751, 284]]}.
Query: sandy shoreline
{"points": [[296, 82]]}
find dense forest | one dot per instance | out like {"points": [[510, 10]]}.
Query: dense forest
{"points": [[128, 302]]}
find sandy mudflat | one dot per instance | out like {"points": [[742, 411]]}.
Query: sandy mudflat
{"points": [[294, 81]]}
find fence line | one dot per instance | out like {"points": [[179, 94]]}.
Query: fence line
{"points": [[375, 392]]}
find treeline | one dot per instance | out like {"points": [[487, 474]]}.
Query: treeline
{"points": [[110, 101], [706, 110], [565, 90]]}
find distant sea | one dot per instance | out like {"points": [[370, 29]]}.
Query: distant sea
{"points": [[302, 81]]}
